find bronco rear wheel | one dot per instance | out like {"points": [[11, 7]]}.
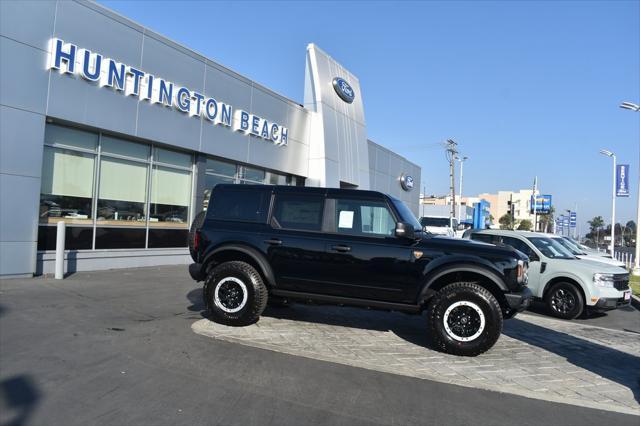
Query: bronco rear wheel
{"points": [[235, 293], [464, 319]]}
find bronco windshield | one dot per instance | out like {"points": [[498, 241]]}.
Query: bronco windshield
{"points": [[551, 248], [406, 214]]}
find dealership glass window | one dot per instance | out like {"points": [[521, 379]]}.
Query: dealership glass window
{"points": [[123, 148], [122, 195], [170, 190], [221, 168], [66, 190], [71, 138], [251, 175], [276, 179]]}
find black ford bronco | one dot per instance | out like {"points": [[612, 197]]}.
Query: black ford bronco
{"points": [[258, 243]]}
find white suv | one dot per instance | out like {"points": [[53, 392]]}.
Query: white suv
{"points": [[439, 225], [577, 251], [566, 283]]}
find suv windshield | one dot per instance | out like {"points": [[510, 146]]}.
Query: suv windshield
{"points": [[440, 222], [406, 214], [551, 248], [572, 248]]}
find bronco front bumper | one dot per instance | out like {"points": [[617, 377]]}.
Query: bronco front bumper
{"points": [[519, 301]]}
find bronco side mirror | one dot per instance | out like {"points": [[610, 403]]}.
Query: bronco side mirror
{"points": [[405, 230], [533, 257]]}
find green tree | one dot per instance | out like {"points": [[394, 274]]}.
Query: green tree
{"points": [[596, 224], [506, 221], [525, 225]]}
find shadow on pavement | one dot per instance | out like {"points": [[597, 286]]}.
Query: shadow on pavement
{"points": [[609, 363], [197, 302], [18, 397]]}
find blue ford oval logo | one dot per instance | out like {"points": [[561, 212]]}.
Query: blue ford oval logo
{"points": [[406, 182], [344, 90]]}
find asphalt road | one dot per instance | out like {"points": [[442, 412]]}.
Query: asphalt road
{"points": [[116, 348]]}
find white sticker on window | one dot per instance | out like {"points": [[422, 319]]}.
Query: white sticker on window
{"points": [[346, 219]]}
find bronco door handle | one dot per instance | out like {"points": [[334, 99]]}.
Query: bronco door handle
{"points": [[274, 242], [341, 248]]}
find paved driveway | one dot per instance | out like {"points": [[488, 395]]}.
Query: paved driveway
{"points": [[536, 356], [117, 348]]}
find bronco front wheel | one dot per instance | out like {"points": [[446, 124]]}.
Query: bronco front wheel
{"points": [[464, 319]]}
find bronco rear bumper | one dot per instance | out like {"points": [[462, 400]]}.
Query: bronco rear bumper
{"points": [[197, 272], [519, 301]]}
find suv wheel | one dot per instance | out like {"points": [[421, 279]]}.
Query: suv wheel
{"points": [[198, 221], [565, 301], [464, 319], [236, 294]]}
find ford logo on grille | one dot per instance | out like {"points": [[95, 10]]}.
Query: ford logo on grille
{"points": [[344, 90]]}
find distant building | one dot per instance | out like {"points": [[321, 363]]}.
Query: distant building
{"points": [[499, 204]]}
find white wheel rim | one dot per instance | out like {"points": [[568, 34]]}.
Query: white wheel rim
{"points": [[216, 295], [451, 333]]}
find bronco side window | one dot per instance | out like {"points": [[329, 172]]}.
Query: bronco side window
{"points": [[239, 205], [297, 211], [364, 217]]}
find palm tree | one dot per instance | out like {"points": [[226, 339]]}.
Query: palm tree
{"points": [[596, 223]]}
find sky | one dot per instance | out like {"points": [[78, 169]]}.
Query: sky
{"points": [[526, 88]]}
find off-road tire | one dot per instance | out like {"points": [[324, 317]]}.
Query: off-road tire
{"points": [[571, 294], [472, 297], [235, 274], [197, 223]]}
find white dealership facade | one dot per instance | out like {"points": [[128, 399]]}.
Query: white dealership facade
{"points": [[119, 131]]}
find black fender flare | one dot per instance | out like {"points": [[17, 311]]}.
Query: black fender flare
{"points": [[445, 269], [255, 254]]}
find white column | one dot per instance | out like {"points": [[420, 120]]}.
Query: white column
{"points": [[60, 236]]}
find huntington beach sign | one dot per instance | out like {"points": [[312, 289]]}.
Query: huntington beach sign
{"points": [[67, 58]]}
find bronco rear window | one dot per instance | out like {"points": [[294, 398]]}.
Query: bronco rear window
{"points": [[239, 204]]}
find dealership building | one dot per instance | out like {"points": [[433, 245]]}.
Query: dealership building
{"points": [[119, 132]]}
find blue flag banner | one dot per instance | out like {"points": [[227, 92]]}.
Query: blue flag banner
{"points": [[622, 180], [573, 219]]}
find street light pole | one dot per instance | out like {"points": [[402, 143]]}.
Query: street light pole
{"points": [[613, 199], [636, 263]]}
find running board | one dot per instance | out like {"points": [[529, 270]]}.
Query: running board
{"points": [[339, 300]]}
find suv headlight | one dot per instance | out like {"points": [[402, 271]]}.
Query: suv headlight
{"points": [[603, 280]]}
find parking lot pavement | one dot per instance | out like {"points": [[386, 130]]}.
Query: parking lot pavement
{"points": [[623, 319], [536, 356], [117, 348]]}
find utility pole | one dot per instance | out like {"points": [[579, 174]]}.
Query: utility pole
{"points": [[461, 160], [451, 152]]}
